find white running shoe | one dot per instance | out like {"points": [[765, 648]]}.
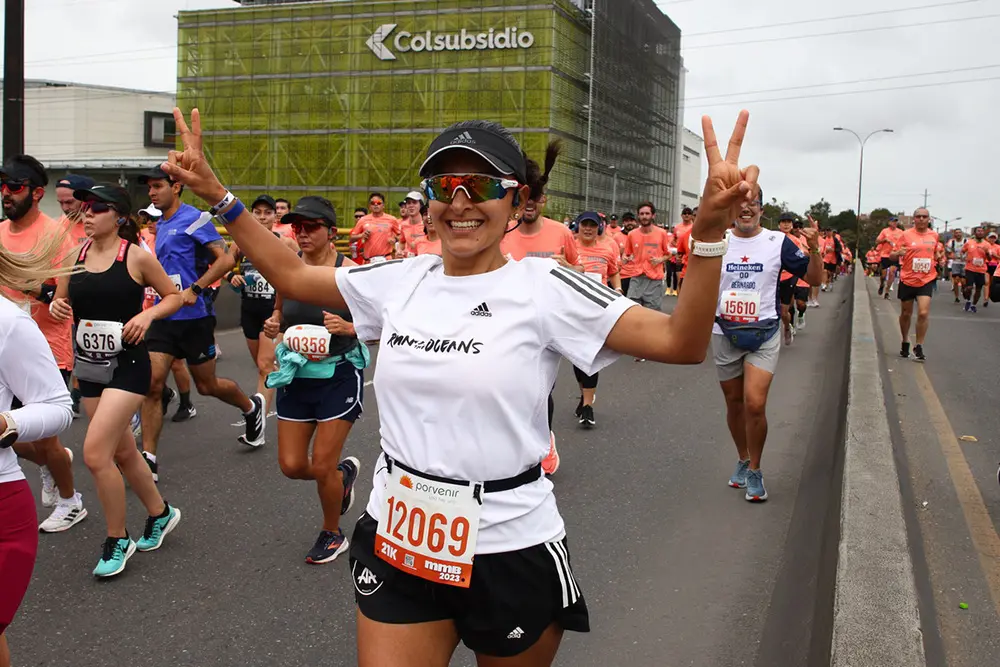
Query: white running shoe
{"points": [[67, 514], [50, 496]]}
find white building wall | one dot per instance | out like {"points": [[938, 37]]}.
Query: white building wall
{"points": [[66, 122], [691, 181]]}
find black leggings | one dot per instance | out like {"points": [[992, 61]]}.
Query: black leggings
{"points": [[586, 381], [672, 273]]}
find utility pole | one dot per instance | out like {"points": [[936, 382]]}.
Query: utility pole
{"points": [[13, 78], [925, 197], [614, 191]]}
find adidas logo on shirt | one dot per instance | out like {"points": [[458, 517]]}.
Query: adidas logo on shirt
{"points": [[482, 310], [464, 138], [516, 633]]}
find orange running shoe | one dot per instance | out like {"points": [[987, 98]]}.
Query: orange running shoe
{"points": [[551, 462]]}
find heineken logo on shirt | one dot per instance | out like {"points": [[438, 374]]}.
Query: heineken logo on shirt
{"points": [[744, 266], [443, 345]]}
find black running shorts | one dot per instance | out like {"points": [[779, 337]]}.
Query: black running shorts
{"points": [[886, 262], [973, 279], [786, 289], [253, 313], [801, 293], [514, 596], [908, 293], [190, 340], [132, 375]]}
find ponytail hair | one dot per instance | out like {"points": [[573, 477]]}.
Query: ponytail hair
{"points": [[129, 229], [538, 179]]}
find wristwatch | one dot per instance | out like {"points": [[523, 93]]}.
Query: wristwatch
{"points": [[9, 436], [196, 289]]}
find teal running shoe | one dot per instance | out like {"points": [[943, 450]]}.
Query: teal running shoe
{"points": [[157, 529], [739, 478], [756, 493], [117, 551]]}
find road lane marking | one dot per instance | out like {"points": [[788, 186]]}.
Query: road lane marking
{"points": [[977, 517]]}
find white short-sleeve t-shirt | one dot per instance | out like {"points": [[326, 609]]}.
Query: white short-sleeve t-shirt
{"points": [[464, 371]]}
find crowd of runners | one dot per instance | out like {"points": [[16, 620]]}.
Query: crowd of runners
{"points": [[474, 297]]}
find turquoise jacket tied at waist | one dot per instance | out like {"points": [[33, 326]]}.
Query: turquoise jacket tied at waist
{"points": [[293, 365]]}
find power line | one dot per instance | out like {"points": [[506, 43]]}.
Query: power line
{"points": [[845, 83], [833, 18], [842, 32], [846, 92]]}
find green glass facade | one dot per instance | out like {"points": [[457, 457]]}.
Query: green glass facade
{"points": [[301, 99]]}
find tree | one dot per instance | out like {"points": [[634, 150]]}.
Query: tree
{"points": [[820, 212], [870, 227], [844, 220], [772, 211]]}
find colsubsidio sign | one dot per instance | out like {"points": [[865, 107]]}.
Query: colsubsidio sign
{"points": [[405, 42]]}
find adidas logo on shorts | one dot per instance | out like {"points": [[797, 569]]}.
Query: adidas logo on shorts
{"points": [[482, 310]]}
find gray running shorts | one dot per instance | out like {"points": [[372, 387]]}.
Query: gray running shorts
{"points": [[958, 269], [729, 359], [646, 292]]}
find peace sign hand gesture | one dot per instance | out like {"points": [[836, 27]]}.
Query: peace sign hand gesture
{"points": [[811, 233], [189, 167], [728, 186]]}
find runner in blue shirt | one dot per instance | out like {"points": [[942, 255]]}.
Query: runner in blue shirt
{"points": [[193, 259]]}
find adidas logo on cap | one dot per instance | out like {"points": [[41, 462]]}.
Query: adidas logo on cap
{"points": [[464, 138]]}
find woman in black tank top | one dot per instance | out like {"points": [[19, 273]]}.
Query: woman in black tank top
{"points": [[257, 299], [319, 410], [105, 301]]}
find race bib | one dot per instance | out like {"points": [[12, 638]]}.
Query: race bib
{"points": [[921, 265], [175, 278], [597, 277], [310, 340], [257, 287], [741, 306], [428, 528], [978, 261], [99, 337], [377, 259]]}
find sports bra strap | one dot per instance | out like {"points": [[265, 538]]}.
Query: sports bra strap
{"points": [[122, 250]]}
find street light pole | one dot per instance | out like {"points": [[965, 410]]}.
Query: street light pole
{"points": [[861, 174], [590, 103]]}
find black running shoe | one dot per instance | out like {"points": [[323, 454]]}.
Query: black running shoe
{"points": [[579, 407], [350, 468], [904, 351], [184, 413], [256, 420], [587, 417], [153, 468], [881, 289], [918, 350], [168, 395], [328, 546]]}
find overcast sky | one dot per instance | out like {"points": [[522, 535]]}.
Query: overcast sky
{"points": [[905, 76]]}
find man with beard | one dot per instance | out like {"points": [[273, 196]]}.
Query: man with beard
{"points": [[22, 184], [649, 249], [682, 237], [72, 208], [745, 338], [628, 269]]}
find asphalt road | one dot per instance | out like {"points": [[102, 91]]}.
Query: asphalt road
{"points": [[949, 484], [676, 567]]}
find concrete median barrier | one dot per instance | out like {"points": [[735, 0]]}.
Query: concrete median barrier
{"points": [[876, 619]]}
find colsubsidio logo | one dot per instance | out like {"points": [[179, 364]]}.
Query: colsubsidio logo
{"points": [[406, 42]]}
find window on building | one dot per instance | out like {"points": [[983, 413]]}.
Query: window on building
{"points": [[159, 130]]}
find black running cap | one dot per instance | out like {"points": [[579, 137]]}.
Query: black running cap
{"points": [[108, 193], [788, 216], [24, 170], [316, 209], [156, 173], [267, 200], [76, 182], [506, 158], [589, 216]]}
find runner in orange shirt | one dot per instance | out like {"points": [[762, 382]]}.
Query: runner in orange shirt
{"points": [[72, 208], [629, 269], [682, 236], [377, 230], [828, 246], [430, 243], [802, 288], [27, 229], [412, 228], [992, 262], [281, 208], [920, 251], [649, 248], [787, 282], [885, 243], [600, 260], [977, 251]]}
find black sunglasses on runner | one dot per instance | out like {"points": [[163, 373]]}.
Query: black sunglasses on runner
{"points": [[96, 206], [308, 227]]}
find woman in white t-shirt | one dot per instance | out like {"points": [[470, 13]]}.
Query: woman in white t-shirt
{"points": [[470, 346], [29, 372]]}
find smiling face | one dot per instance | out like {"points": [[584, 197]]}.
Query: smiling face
{"points": [[785, 226], [468, 229], [749, 219], [265, 215], [533, 210], [412, 209]]}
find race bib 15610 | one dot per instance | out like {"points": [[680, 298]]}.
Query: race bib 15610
{"points": [[740, 306], [428, 528]]}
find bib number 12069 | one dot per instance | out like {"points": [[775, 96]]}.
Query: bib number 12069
{"points": [[429, 529]]}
